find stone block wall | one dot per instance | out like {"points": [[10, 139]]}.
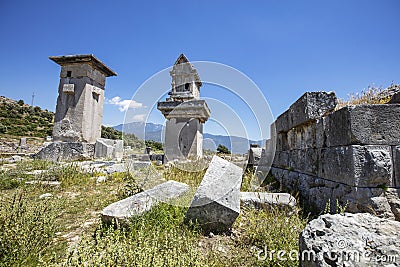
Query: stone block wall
{"points": [[351, 155]]}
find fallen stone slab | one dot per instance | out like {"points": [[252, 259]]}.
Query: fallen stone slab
{"points": [[264, 200], [49, 183], [15, 158], [138, 204], [120, 167], [350, 240], [36, 172], [216, 203], [46, 195]]}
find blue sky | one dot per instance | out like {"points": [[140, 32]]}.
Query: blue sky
{"points": [[285, 47]]}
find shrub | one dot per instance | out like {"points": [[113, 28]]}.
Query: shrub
{"points": [[223, 149], [3, 128], [110, 133], [157, 238], [157, 146], [27, 229]]}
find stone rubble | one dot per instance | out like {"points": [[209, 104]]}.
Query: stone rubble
{"points": [[216, 203], [138, 204], [350, 240]]}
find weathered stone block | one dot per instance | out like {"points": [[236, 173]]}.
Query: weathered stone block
{"points": [[304, 160], [144, 201], [254, 156], [396, 165], [361, 166], [107, 148], [393, 198], [309, 107], [281, 124], [281, 159], [263, 200], [216, 203], [349, 240], [364, 125], [68, 89], [320, 136], [79, 109], [302, 136], [282, 142], [66, 151]]}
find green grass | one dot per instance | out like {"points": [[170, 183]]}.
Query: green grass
{"points": [[158, 238]]}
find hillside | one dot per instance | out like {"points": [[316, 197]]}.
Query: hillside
{"points": [[20, 119]]}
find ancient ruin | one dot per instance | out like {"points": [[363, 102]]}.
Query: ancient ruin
{"points": [[79, 111], [347, 157], [80, 101], [185, 113]]}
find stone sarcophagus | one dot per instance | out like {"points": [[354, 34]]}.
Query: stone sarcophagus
{"points": [[79, 110], [185, 113]]}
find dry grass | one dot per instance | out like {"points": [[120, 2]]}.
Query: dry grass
{"points": [[71, 233], [368, 96]]}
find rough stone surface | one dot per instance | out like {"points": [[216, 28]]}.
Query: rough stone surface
{"points": [[281, 159], [392, 92], [396, 165], [350, 240], [364, 125], [101, 179], [302, 136], [263, 200], [393, 197], [216, 203], [254, 155], [80, 101], [107, 148], [119, 167], [318, 192], [22, 143], [185, 113], [309, 107], [304, 160], [46, 195], [363, 166], [49, 183], [66, 151], [15, 158], [144, 201]]}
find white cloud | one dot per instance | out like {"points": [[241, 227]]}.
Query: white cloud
{"points": [[139, 117], [124, 105]]}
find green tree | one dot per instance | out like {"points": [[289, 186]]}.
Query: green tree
{"points": [[223, 149], [154, 145], [110, 133]]}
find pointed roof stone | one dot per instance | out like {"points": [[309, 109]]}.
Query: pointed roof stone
{"points": [[181, 59]]}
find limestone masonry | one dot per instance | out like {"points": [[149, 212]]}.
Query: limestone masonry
{"points": [[350, 155], [79, 110], [185, 113]]}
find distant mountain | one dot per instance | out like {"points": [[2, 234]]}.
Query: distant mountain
{"points": [[238, 145], [153, 131]]}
